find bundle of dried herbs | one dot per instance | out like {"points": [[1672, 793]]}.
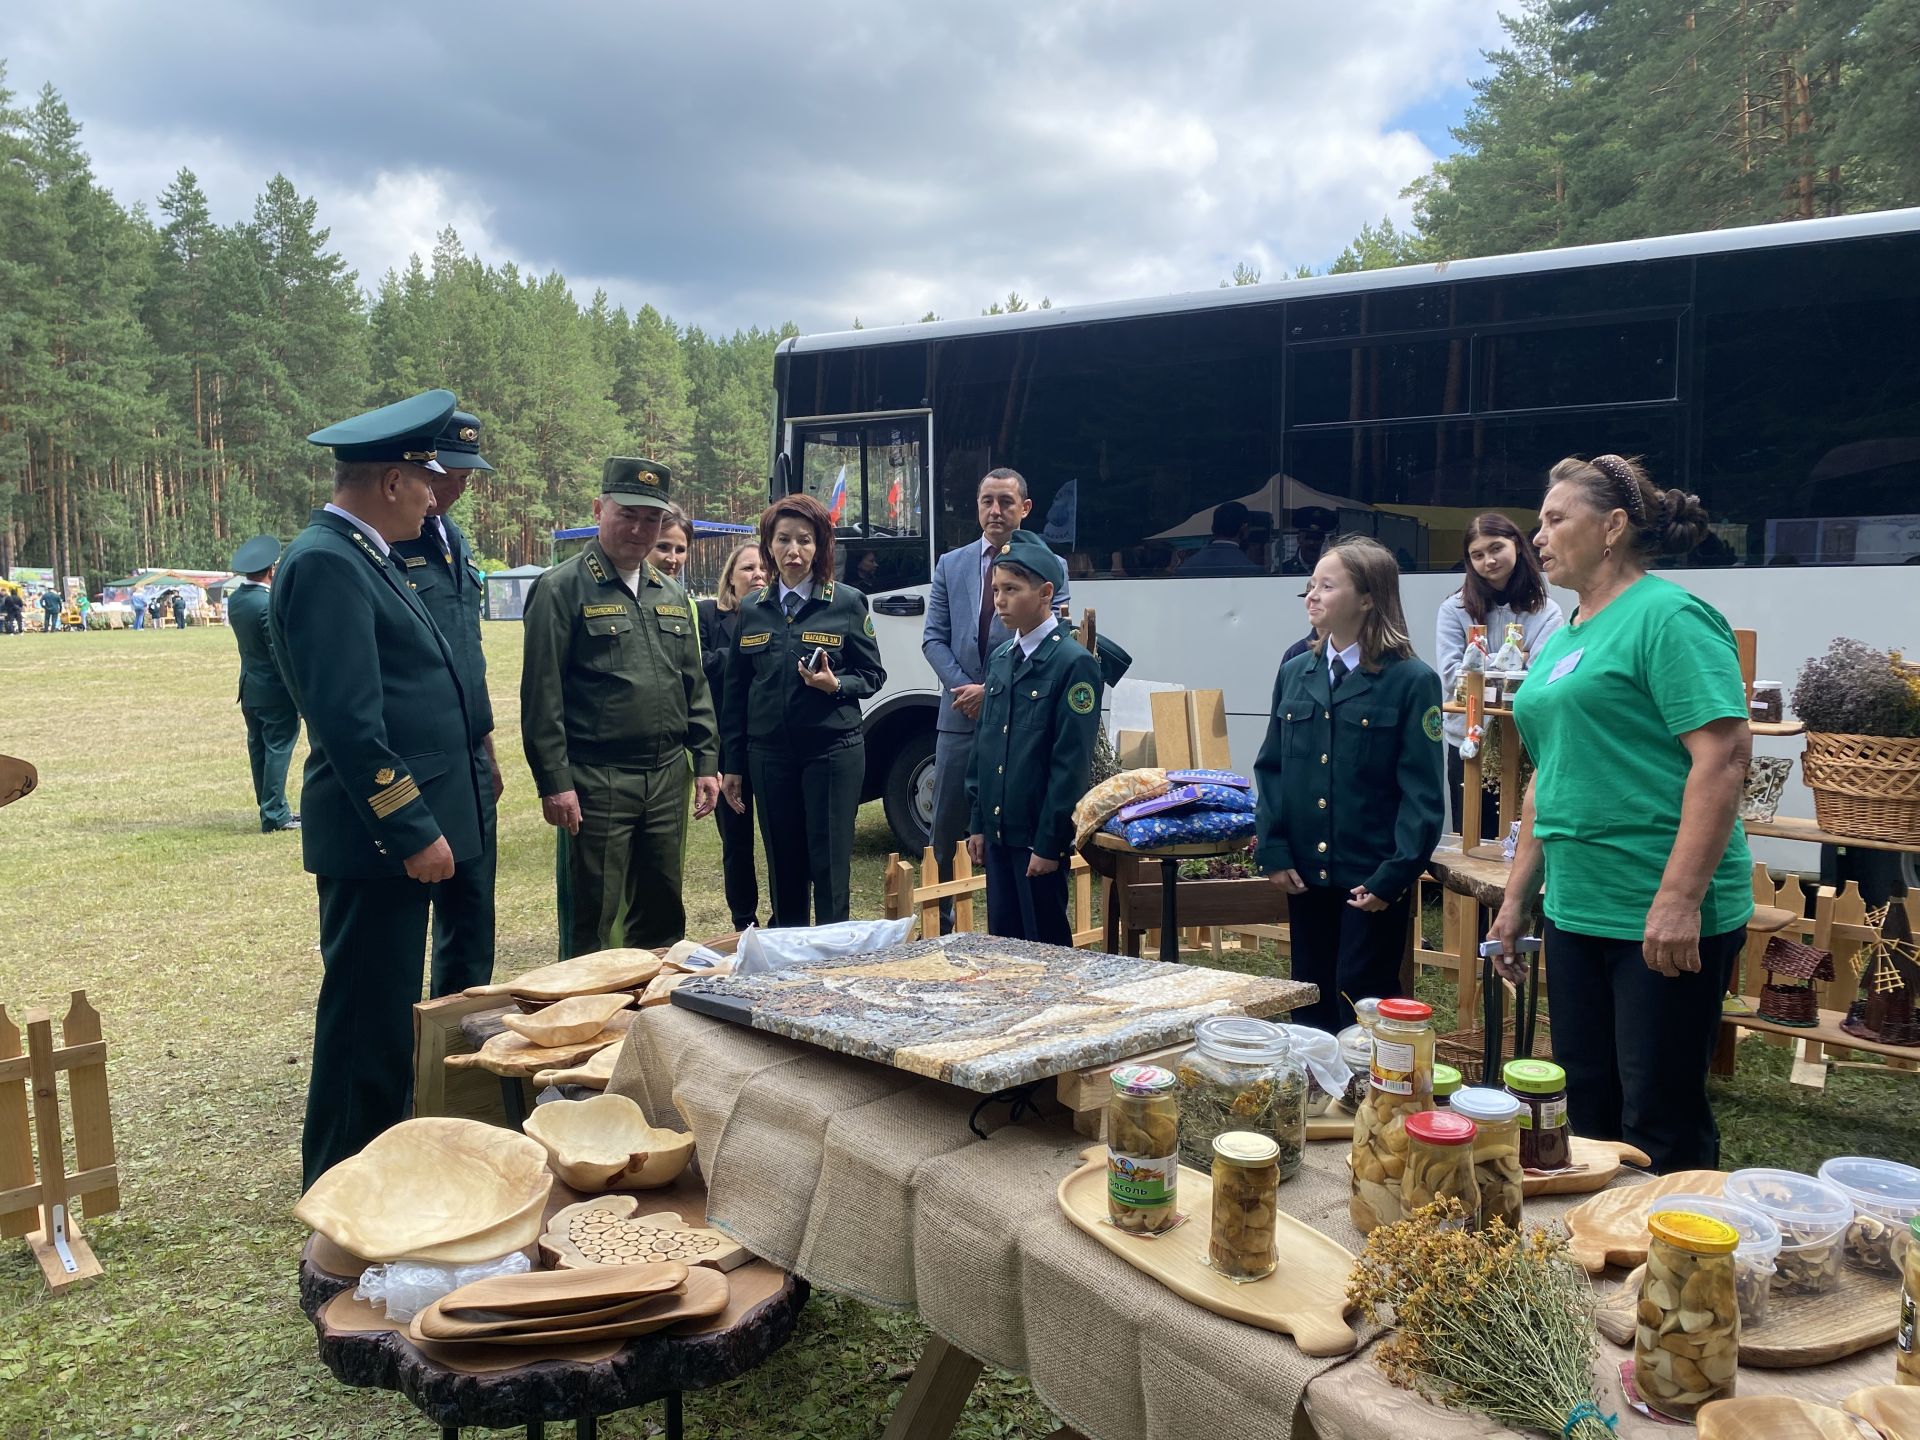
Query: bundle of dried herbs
{"points": [[1495, 1322], [1854, 689]]}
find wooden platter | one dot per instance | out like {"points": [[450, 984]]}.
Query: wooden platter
{"points": [[346, 1316], [594, 1072], [568, 1021], [1611, 1228], [1773, 1417], [1596, 1163], [702, 1295], [606, 1231], [516, 1057], [1860, 1311], [595, 974], [1893, 1409], [1305, 1298]]}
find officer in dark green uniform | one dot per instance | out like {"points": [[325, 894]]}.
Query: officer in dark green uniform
{"points": [[803, 659], [440, 568], [1351, 783], [613, 703], [273, 721], [391, 801], [1033, 748]]}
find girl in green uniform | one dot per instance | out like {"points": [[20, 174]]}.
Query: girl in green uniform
{"points": [[803, 659]]}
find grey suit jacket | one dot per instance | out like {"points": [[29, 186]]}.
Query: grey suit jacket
{"points": [[951, 637]]}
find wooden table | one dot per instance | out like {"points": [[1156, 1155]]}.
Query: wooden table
{"points": [[762, 1309], [1170, 857]]}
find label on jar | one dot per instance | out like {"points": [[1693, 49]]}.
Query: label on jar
{"points": [[1905, 1339], [1392, 1066], [1553, 1114], [1142, 1182]]}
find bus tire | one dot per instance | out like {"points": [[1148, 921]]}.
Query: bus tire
{"points": [[908, 794]]}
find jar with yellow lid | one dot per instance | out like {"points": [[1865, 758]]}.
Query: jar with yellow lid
{"points": [[1400, 1084], [1496, 1153], [1906, 1355], [1143, 1149], [1246, 1189], [1686, 1339]]}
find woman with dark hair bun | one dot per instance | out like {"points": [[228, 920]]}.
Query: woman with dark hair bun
{"points": [[1503, 587], [1636, 717], [803, 659]]}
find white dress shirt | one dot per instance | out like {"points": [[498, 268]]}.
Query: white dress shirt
{"points": [[1351, 655], [378, 540], [1030, 641]]}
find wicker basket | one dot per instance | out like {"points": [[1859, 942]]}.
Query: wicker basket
{"points": [[1866, 786], [1465, 1049]]}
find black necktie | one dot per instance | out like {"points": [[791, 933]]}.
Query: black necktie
{"points": [[1336, 674]]}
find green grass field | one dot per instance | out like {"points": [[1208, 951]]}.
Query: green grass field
{"points": [[138, 873]]}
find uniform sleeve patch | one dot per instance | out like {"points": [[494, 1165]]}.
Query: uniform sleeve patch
{"points": [[1431, 722], [869, 627], [1080, 699]]}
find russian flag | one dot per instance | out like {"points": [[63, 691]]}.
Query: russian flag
{"points": [[837, 500]]}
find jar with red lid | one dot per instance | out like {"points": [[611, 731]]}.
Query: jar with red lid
{"points": [[1400, 1084], [1440, 1164]]}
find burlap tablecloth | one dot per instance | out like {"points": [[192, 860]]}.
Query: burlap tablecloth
{"points": [[866, 1180]]}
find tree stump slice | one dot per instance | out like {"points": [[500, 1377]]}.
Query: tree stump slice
{"points": [[762, 1310], [1483, 881]]}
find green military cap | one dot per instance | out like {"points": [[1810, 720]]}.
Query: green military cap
{"points": [[627, 481], [1027, 550], [459, 443], [256, 555], [405, 430], [1114, 662]]}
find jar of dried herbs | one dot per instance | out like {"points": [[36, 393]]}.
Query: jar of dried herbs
{"points": [[1546, 1142], [1440, 1164], [1241, 1074], [1496, 1153], [1143, 1149], [1246, 1186], [1400, 1084], [1686, 1338]]}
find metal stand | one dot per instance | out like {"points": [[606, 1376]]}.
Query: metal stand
{"points": [[1526, 1006], [1169, 907], [513, 1100]]}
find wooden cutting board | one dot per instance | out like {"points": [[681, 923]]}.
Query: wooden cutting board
{"points": [[1773, 1417], [1336, 1124], [1305, 1298], [595, 974], [703, 1294], [1597, 1162], [594, 1073], [1611, 1228], [1862, 1310]]}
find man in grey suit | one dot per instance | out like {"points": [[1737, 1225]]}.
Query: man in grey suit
{"points": [[961, 631]]}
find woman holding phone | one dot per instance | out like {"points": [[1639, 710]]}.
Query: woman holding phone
{"points": [[803, 659]]}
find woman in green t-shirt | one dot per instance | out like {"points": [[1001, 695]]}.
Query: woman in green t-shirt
{"points": [[1635, 715]]}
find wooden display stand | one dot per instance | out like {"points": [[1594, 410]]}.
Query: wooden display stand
{"points": [[66, 1260], [901, 897]]}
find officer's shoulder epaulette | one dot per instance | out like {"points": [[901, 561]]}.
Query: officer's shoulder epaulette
{"points": [[826, 593]]}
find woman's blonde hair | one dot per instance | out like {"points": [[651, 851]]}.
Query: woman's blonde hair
{"points": [[1376, 575], [726, 599]]}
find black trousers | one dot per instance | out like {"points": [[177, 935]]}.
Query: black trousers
{"points": [[807, 805], [1024, 907], [1489, 804], [1636, 1045], [736, 858], [373, 940], [463, 906], [1350, 954]]}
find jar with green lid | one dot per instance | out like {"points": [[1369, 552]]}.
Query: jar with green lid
{"points": [[1686, 1338], [1541, 1088], [1241, 1074], [1906, 1354], [1496, 1153], [1143, 1149], [1400, 1084], [1440, 1164], [1446, 1080], [1246, 1188]]}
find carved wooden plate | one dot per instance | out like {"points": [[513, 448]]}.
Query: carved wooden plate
{"points": [[596, 974], [1893, 1409], [1862, 1310], [1611, 1228], [605, 1143], [1773, 1417], [569, 1021], [608, 1232], [594, 1072], [439, 1188]]}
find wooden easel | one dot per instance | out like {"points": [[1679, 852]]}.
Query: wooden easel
{"points": [[66, 1260]]}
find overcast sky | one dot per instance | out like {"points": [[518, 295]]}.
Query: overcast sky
{"points": [[754, 161]]}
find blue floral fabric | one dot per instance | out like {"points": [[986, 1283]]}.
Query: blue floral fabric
{"points": [[1185, 827], [1221, 797]]}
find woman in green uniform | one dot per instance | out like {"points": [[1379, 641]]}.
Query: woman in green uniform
{"points": [[803, 659], [1350, 782]]}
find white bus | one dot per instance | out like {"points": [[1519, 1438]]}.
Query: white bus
{"points": [[1773, 370]]}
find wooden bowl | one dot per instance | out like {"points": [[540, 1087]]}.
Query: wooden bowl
{"points": [[569, 1021], [1893, 1410], [600, 973], [1773, 1417], [605, 1143], [441, 1189]]}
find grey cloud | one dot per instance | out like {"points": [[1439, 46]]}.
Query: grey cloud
{"points": [[754, 161]]}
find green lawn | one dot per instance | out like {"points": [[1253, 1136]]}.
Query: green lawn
{"points": [[137, 872]]}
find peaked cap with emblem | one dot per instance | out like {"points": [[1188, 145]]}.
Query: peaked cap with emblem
{"points": [[1027, 550], [627, 481], [259, 553], [407, 430], [459, 443]]}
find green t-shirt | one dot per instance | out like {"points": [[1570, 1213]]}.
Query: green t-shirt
{"points": [[1601, 712]]}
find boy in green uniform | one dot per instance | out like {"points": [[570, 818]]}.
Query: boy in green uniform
{"points": [[1033, 749], [273, 722]]}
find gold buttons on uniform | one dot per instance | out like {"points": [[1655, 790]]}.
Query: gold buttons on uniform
{"points": [[1323, 874], [1364, 723], [1323, 802], [1323, 759], [999, 769], [1035, 695], [1321, 847], [996, 809]]}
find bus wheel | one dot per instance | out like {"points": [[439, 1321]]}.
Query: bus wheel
{"points": [[909, 794]]}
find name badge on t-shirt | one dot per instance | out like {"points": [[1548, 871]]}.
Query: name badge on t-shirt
{"points": [[1565, 667]]}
